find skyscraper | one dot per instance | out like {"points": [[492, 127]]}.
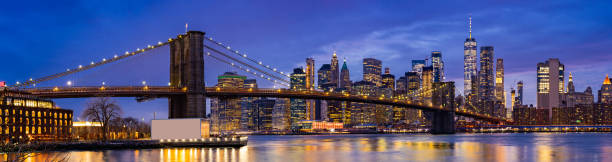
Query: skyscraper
{"points": [[400, 86], [512, 103], [324, 77], [249, 109], [499, 82], [363, 113], [263, 114], [310, 80], [486, 84], [519, 93], [388, 80], [298, 79], [345, 80], [605, 93], [227, 113], [470, 68], [310, 73], [281, 114], [372, 70], [417, 66], [250, 83], [426, 84], [573, 98], [334, 70], [298, 106], [550, 83], [438, 66], [231, 80], [413, 81]]}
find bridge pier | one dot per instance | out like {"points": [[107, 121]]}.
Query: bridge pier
{"points": [[443, 122], [187, 73]]}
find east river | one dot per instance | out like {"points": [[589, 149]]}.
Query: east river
{"points": [[497, 147]]}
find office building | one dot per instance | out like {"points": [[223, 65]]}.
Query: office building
{"points": [[519, 93], [28, 118], [604, 95], [573, 98], [247, 120], [263, 114], [226, 113], [512, 103], [310, 73], [500, 94], [438, 66], [486, 88], [310, 85], [417, 66], [363, 113], [372, 70], [298, 106], [324, 76], [250, 83], [550, 84], [426, 85], [470, 68], [388, 80], [334, 70], [281, 114], [413, 81], [400, 86], [345, 77]]}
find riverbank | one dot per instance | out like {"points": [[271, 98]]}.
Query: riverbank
{"points": [[126, 144]]}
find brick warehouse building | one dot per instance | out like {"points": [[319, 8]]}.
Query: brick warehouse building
{"points": [[24, 117]]}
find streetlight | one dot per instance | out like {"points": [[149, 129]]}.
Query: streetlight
{"points": [[144, 82], [69, 83]]}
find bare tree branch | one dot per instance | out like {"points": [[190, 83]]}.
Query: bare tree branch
{"points": [[103, 110]]}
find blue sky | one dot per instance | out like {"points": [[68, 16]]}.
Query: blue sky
{"points": [[41, 38]]}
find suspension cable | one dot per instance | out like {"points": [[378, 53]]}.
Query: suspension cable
{"points": [[236, 52], [91, 65], [281, 82], [245, 64]]}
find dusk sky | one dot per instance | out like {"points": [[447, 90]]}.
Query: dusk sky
{"points": [[42, 38]]}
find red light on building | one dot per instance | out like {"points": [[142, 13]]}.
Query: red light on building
{"points": [[2, 84]]}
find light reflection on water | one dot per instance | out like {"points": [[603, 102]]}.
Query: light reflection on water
{"points": [[458, 147]]}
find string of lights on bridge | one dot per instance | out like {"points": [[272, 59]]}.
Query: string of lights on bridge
{"points": [[92, 64], [117, 57], [244, 55]]}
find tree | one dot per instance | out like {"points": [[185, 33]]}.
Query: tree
{"points": [[103, 110]]}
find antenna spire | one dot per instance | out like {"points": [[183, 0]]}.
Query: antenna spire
{"points": [[470, 27], [186, 26]]}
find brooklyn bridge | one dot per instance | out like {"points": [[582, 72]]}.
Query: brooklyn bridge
{"points": [[187, 92]]}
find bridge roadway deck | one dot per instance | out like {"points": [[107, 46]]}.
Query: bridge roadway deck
{"points": [[166, 91]]}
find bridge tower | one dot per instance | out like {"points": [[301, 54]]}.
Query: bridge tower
{"points": [[187, 73], [443, 95]]}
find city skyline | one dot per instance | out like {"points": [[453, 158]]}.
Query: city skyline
{"points": [[377, 42]]}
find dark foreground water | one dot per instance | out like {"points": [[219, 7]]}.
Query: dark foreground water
{"points": [[379, 147]]}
